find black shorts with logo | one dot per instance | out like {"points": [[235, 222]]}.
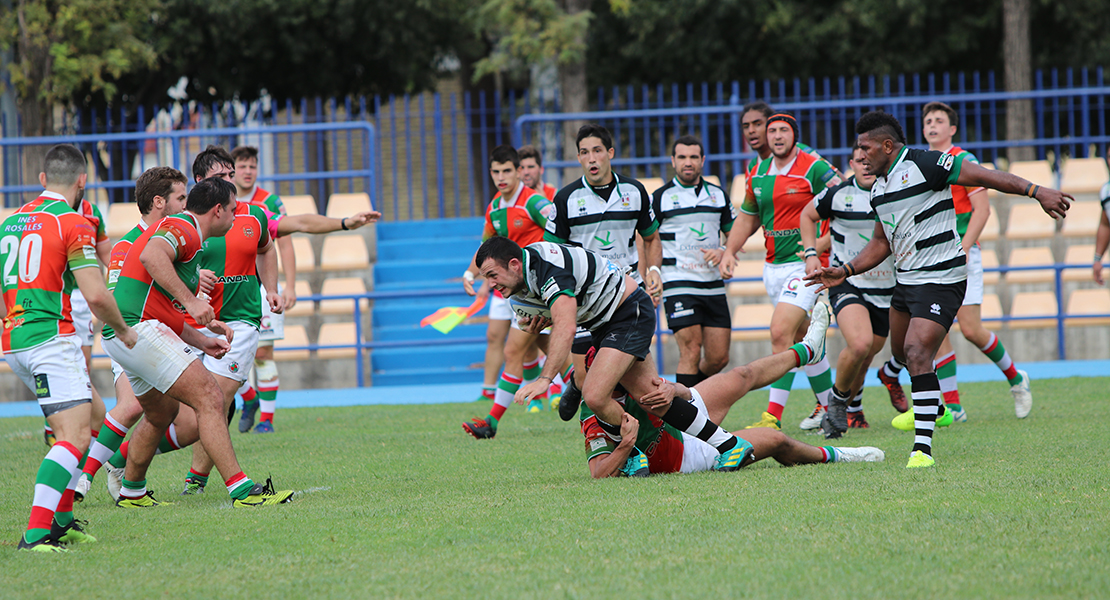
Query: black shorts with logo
{"points": [[631, 327], [687, 310], [937, 302], [847, 294]]}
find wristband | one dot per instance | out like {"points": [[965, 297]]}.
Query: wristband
{"points": [[811, 253], [654, 268], [343, 224], [1035, 188], [849, 270], [551, 379], [468, 276], [1098, 258]]}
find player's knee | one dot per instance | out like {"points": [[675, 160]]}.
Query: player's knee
{"points": [[857, 350], [265, 370], [715, 362], [919, 359], [782, 336]]}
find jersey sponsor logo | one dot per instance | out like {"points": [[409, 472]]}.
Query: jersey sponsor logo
{"points": [[674, 200], [626, 202], [90, 252], [42, 385], [700, 233], [607, 243], [234, 279], [781, 233], [848, 201], [550, 226], [113, 276], [945, 161], [597, 444]]}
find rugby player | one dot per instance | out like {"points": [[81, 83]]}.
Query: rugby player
{"points": [[861, 304], [671, 451], [531, 171], [693, 214], [580, 288], [47, 250], [777, 191], [917, 224], [1102, 236]]}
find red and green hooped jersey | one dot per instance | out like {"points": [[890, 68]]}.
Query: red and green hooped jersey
{"points": [[521, 218], [41, 244], [237, 295], [138, 296], [961, 195], [119, 253], [91, 212], [779, 198], [660, 442]]}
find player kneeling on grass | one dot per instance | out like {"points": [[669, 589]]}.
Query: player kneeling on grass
{"points": [[579, 287], [671, 451]]}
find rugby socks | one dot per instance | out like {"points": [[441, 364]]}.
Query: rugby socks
{"points": [[268, 384], [106, 444], [780, 393], [831, 454], [487, 392], [856, 405], [687, 379], [239, 486], [506, 389], [820, 380], [195, 477], [893, 368], [613, 432], [56, 477], [802, 354], [63, 515], [926, 405], [693, 418], [132, 490], [532, 372], [168, 443], [946, 373], [997, 352], [248, 394]]}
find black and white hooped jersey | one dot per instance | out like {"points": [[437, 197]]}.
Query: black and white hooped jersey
{"points": [[914, 205], [595, 283], [847, 208], [606, 226], [1104, 198], [691, 219]]}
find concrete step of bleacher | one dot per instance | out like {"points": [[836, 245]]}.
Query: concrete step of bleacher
{"points": [[460, 356], [427, 248], [430, 228]]}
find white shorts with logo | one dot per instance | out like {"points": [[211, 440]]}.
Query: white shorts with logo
{"points": [[499, 309], [273, 326], [54, 370], [784, 283], [974, 293], [697, 455], [157, 360], [82, 317], [237, 363]]}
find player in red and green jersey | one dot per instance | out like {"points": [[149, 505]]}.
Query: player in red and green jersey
{"points": [[160, 279], [531, 172], [159, 192], [46, 251], [777, 192], [242, 166], [669, 450], [519, 213], [753, 123], [972, 209]]}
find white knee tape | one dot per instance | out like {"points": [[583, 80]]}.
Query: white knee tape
{"points": [[265, 370]]}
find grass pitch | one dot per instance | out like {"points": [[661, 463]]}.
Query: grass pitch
{"points": [[396, 501]]}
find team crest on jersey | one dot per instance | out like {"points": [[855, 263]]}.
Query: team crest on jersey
{"points": [[674, 200], [626, 202], [518, 223], [793, 190], [233, 367], [581, 206], [848, 202], [249, 232], [905, 177]]}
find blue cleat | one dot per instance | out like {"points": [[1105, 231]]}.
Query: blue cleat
{"points": [[264, 427]]}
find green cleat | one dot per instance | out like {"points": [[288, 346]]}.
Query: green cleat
{"points": [[919, 459], [46, 544], [74, 533], [193, 487], [145, 501], [264, 495]]}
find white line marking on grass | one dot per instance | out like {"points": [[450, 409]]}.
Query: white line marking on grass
{"points": [[314, 489], [22, 435]]}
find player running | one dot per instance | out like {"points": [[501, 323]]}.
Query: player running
{"points": [[157, 287], [672, 451], [917, 224], [861, 304], [778, 190], [520, 214], [47, 250]]}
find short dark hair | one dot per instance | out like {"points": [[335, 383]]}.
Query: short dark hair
{"points": [[156, 181], [208, 193], [881, 123], [63, 164], [211, 156], [500, 249], [934, 106], [688, 140], [243, 152], [757, 105], [594, 130], [503, 154], [532, 152]]}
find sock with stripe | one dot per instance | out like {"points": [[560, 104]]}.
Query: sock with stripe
{"points": [[267, 399], [57, 470], [239, 486], [893, 367], [247, 393], [856, 405], [488, 391], [506, 389], [802, 354], [532, 372], [946, 373], [63, 515], [780, 393], [997, 353], [831, 454], [693, 418], [168, 443], [106, 444], [201, 478], [820, 380], [613, 432], [926, 406], [132, 489]]}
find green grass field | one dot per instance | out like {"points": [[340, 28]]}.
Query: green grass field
{"points": [[399, 502]]}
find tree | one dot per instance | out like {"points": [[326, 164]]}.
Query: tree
{"points": [[1018, 74], [63, 47]]}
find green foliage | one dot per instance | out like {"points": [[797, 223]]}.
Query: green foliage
{"points": [[397, 502], [526, 32]]}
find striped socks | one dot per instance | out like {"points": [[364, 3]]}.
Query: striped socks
{"points": [[997, 353], [106, 444], [926, 405], [56, 478]]}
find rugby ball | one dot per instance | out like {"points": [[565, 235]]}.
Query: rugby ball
{"points": [[529, 308]]}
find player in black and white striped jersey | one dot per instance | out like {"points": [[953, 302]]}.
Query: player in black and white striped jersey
{"points": [[862, 303], [582, 288], [693, 213], [917, 224]]}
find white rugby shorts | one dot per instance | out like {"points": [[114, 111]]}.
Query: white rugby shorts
{"points": [[157, 360]]}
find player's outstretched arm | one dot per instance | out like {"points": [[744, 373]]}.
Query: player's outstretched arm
{"points": [[1053, 202], [609, 465], [310, 223], [157, 259], [872, 254], [102, 304]]}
